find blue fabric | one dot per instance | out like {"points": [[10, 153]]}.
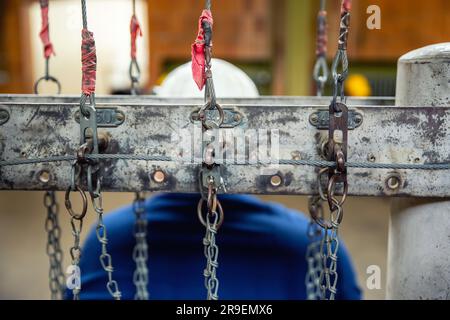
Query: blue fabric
{"points": [[261, 256]]}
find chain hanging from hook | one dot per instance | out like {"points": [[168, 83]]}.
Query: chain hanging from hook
{"points": [[76, 219], [314, 232], [140, 250], [336, 151], [210, 178], [321, 71], [54, 251], [101, 232], [134, 70], [84, 167], [212, 222], [44, 34], [314, 258]]}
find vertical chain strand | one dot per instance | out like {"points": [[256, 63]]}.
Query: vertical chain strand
{"points": [[313, 251], [105, 257], [211, 251], [314, 232], [76, 223], [75, 251], [212, 223], [54, 252], [329, 253], [140, 250]]}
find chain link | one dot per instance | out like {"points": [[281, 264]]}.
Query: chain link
{"points": [[211, 251], [313, 251], [76, 223], [54, 252], [140, 251], [75, 251], [212, 223], [105, 257], [329, 253]]}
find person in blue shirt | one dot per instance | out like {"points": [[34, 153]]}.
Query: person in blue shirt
{"points": [[262, 250]]}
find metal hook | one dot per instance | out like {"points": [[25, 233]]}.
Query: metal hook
{"points": [[135, 75], [320, 74], [339, 78]]}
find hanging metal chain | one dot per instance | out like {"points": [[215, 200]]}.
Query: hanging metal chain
{"points": [[212, 222], [320, 73], [314, 232], [54, 252], [314, 258], [97, 204], [337, 175], [140, 250], [76, 221]]}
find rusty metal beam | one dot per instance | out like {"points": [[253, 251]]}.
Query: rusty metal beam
{"points": [[38, 128]]}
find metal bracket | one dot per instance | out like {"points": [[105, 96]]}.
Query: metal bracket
{"points": [[232, 118], [216, 174], [106, 117], [321, 119]]}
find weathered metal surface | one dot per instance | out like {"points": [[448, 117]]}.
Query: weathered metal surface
{"points": [[419, 229], [148, 99], [387, 135]]}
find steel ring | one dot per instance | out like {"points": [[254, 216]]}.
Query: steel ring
{"points": [[68, 203], [200, 215], [46, 79]]}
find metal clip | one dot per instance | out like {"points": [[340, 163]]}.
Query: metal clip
{"points": [[88, 122], [211, 176], [338, 139]]}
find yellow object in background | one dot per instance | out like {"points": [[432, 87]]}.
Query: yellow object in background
{"points": [[358, 85]]}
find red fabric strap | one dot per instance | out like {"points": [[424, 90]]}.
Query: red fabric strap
{"points": [[198, 51], [346, 6], [44, 33], [135, 30], [88, 62]]}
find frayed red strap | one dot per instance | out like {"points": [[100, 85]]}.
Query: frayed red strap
{"points": [[88, 62], [198, 51], [135, 30], [44, 34], [346, 6]]}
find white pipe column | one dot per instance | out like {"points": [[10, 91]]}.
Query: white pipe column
{"points": [[419, 229]]}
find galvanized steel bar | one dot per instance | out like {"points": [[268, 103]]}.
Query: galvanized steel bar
{"points": [[386, 134]]}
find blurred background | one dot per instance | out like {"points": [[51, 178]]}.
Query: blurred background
{"points": [[273, 41]]}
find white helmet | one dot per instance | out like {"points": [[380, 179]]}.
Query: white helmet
{"points": [[229, 82]]}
